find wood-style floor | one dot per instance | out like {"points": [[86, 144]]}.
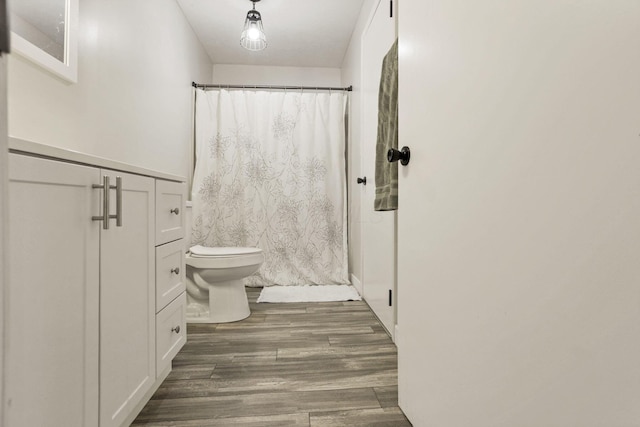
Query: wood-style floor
{"points": [[294, 364]]}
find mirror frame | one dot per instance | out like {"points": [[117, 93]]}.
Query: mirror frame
{"points": [[67, 69]]}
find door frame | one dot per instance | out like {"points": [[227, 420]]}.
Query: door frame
{"points": [[371, 180], [4, 205], [4, 185]]}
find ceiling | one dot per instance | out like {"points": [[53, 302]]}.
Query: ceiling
{"points": [[300, 33]]}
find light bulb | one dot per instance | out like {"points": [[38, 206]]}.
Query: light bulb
{"points": [[253, 33]]}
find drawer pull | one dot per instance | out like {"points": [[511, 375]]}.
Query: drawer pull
{"points": [[175, 211], [176, 329], [176, 270]]}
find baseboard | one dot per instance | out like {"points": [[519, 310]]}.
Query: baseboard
{"points": [[356, 284]]}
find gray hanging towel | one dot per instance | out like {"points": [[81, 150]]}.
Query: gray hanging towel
{"points": [[387, 173]]}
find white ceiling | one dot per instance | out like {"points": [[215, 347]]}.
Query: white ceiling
{"points": [[300, 33]]}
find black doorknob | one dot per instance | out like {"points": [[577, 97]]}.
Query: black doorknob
{"points": [[362, 180], [403, 155]]}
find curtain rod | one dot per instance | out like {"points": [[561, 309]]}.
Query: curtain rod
{"points": [[220, 86]]}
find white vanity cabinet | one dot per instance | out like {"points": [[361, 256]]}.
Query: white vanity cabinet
{"points": [[90, 335]]}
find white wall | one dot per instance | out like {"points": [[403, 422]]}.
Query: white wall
{"points": [[277, 76], [133, 100], [352, 75]]}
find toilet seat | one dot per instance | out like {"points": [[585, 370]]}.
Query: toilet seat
{"points": [[199, 251], [221, 257]]}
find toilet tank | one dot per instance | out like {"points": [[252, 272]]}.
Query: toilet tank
{"points": [[188, 218]]}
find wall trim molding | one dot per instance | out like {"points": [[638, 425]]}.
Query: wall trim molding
{"points": [[357, 284]]}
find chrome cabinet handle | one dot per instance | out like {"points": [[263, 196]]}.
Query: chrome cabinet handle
{"points": [[175, 211], [106, 190], [105, 202], [118, 188], [176, 329], [176, 270]]}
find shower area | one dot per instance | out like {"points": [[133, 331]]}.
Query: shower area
{"points": [[270, 172]]}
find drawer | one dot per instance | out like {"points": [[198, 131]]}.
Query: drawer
{"points": [[171, 332], [170, 272], [170, 204]]}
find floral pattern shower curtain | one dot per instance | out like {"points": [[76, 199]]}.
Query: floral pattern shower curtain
{"points": [[270, 172]]}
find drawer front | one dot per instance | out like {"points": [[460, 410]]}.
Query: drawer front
{"points": [[171, 332], [170, 205], [170, 272]]}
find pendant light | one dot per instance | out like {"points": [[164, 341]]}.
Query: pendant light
{"points": [[253, 37]]}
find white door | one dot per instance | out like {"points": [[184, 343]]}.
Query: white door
{"points": [[52, 319], [518, 230], [378, 228], [127, 301]]}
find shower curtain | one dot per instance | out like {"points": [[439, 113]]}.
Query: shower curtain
{"points": [[270, 172]]}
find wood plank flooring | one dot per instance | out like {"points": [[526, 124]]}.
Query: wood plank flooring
{"points": [[293, 364]]}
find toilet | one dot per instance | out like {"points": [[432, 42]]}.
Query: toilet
{"points": [[215, 288]]}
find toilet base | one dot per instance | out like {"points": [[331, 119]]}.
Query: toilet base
{"points": [[227, 303]]}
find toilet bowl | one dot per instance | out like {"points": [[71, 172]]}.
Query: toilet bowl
{"points": [[215, 289]]}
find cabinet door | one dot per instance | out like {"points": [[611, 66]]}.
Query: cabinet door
{"points": [[52, 310], [127, 301]]}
